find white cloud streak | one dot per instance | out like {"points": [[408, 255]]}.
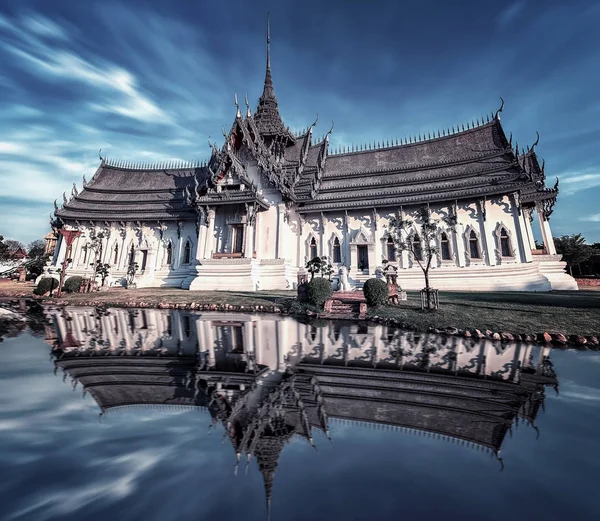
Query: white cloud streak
{"points": [[595, 218], [575, 182]]}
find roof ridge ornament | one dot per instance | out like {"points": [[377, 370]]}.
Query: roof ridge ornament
{"points": [[497, 115], [100, 155], [537, 141], [238, 114], [248, 112]]}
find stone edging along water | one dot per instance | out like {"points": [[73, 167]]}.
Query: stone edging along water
{"points": [[554, 339]]}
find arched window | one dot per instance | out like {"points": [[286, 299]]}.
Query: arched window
{"points": [[445, 247], [474, 246], [391, 249], [131, 255], [505, 243], [313, 248], [116, 254], [417, 249], [186, 253], [337, 250], [169, 259]]}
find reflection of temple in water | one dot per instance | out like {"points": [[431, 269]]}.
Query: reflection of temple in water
{"points": [[269, 379]]}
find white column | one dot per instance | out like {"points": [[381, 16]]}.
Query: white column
{"points": [[280, 251], [322, 248], [62, 250], [546, 231], [248, 241], [201, 240], [459, 244], [527, 218], [521, 236], [486, 234], [209, 243]]}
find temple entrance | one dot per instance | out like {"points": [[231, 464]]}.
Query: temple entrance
{"points": [[238, 238], [144, 259], [363, 257]]}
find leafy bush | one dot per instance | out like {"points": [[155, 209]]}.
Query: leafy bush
{"points": [[45, 285], [376, 292], [301, 308], [319, 290], [73, 284]]}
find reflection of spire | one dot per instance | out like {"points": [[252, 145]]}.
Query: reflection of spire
{"points": [[262, 412]]}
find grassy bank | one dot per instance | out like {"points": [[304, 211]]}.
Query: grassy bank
{"points": [[569, 313], [154, 297]]}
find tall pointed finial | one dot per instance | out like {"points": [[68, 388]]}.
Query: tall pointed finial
{"points": [[269, 40]]}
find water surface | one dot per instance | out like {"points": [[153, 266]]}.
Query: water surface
{"points": [[156, 414]]}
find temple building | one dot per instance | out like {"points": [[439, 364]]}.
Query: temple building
{"points": [[268, 200], [266, 381]]}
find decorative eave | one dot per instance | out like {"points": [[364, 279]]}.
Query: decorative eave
{"points": [[396, 200]]}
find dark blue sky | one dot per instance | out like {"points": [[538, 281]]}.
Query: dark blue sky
{"points": [[152, 80]]}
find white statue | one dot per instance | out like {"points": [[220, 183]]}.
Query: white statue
{"points": [[344, 282]]}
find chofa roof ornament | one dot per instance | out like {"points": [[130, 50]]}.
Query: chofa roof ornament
{"points": [[497, 115]]}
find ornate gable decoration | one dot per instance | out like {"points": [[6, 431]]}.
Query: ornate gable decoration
{"points": [[363, 236]]}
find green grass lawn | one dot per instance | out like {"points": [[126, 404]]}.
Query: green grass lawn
{"points": [[154, 296], [567, 312], [572, 312]]}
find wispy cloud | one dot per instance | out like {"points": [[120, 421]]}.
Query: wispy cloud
{"points": [[576, 182], [146, 84], [595, 218], [510, 13]]}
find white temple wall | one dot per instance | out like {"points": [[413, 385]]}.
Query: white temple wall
{"points": [[282, 242]]}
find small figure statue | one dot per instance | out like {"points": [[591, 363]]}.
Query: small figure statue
{"points": [[344, 282]]}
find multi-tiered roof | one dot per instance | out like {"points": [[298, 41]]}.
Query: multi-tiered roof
{"points": [[473, 162]]}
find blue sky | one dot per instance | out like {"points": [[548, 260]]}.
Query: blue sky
{"points": [[152, 80]]}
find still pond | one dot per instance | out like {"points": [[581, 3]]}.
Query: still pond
{"points": [[159, 415]]}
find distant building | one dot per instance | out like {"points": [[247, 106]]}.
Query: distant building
{"points": [[50, 238], [268, 201]]}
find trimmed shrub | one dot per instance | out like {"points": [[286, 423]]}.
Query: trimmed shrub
{"points": [[45, 285], [319, 290], [376, 292], [73, 284]]}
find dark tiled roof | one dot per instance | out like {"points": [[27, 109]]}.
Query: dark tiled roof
{"points": [[472, 163], [124, 194]]}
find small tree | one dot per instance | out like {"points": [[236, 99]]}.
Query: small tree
{"points": [[36, 252], [326, 268], [131, 271], [573, 249], [314, 266], [102, 271], [401, 230]]}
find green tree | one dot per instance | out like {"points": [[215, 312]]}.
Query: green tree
{"points": [[418, 237], [314, 266], [573, 249], [36, 251], [4, 252], [102, 271]]}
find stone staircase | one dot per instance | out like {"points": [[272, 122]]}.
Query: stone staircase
{"points": [[343, 309]]}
